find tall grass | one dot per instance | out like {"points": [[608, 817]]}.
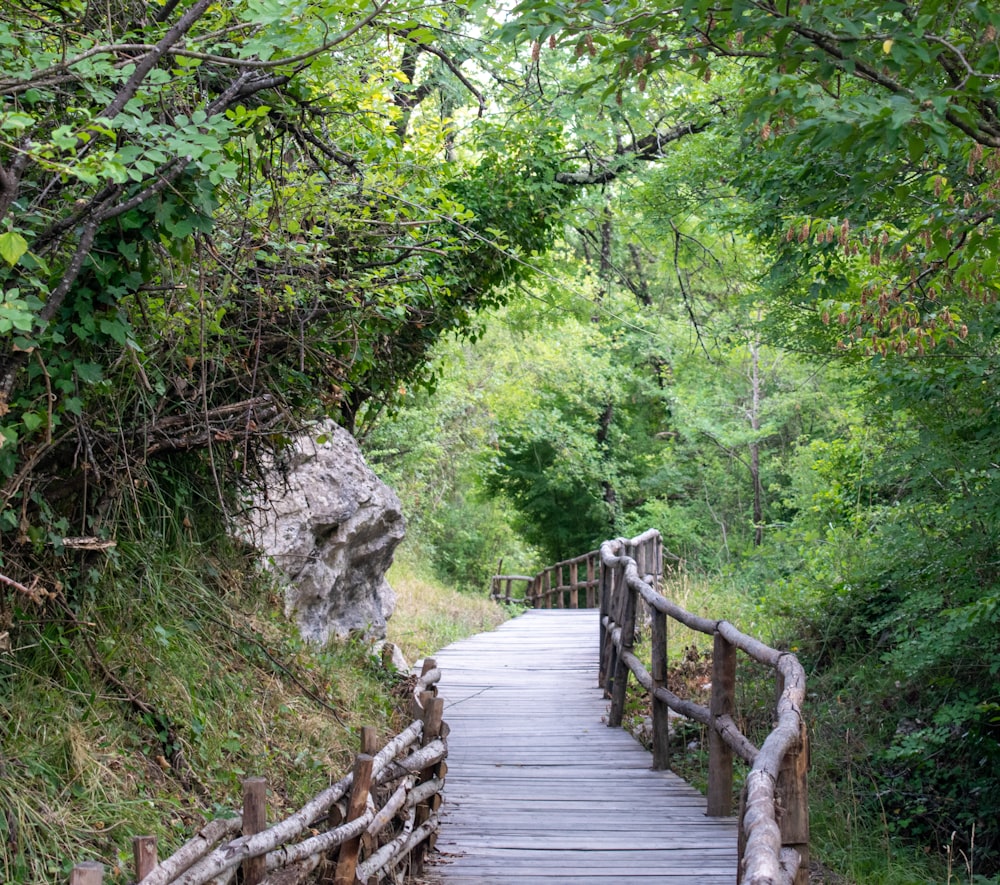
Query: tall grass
{"points": [[169, 675], [430, 615]]}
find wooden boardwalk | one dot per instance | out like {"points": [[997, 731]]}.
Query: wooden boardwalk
{"points": [[540, 790]]}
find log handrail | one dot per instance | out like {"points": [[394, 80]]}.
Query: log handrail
{"points": [[774, 815], [563, 585], [391, 817], [501, 589]]}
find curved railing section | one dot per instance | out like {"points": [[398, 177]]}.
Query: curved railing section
{"points": [[774, 817], [572, 583], [373, 826], [773, 814]]}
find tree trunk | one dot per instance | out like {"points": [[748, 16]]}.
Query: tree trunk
{"points": [[756, 385], [605, 268], [610, 496]]}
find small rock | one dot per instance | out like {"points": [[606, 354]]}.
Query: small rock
{"points": [[392, 658]]}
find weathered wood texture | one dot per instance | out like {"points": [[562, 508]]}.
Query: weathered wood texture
{"points": [[573, 583], [774, 819], [624, 579], [540, 790], [502, 588]]}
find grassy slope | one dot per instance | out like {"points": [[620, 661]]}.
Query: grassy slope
{"points": [[430, 615], [174, 676]]}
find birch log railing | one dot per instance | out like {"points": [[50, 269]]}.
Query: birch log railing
{"points": [[774, 814], [370, 824]]}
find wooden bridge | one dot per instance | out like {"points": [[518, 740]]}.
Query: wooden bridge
{"points": [[540, 790]]}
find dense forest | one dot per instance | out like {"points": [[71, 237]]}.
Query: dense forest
{"points": [[569, 271]]}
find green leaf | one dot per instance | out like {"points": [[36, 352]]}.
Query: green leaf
{"points": [[12, 247], [16, 121], [424, 36], [32, 420]]}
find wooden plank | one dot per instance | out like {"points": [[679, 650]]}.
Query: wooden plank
{"points": [[720, 754], [540, 791], [90, 872]]}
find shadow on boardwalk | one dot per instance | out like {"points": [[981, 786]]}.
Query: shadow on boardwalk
{"points": [[540, 790]]}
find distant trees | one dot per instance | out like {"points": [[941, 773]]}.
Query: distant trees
{"points": [[857, 148]]}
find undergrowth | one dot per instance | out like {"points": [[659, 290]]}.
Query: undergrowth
{"points": [[136, 699]]}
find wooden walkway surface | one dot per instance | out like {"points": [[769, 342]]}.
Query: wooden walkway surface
{"points": [[540, 790]]}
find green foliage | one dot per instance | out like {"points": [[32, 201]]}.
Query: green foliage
{"points": [[890, 555], [559, 459], [428, 450], [264, 221], [858, 155], [289, 208]]}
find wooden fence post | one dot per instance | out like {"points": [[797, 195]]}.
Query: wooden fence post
{"points": [[661, 712], [369, 747], [428, 665], [369, 740], [254, 820], [741, 836], [433, 722], [720, 755], [347, 860], [658, 564], [574, 590], [90, 872], [144, 854], [416, 711], [620, 679], [589, 592], [611, 658], [603, 597], [792, 795]]}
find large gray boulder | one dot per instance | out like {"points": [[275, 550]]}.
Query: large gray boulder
{"points": [[330, 526]]}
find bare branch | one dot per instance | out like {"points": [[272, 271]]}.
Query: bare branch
{"points": [[650, 147], [454, 68], [150, 60], [35, 593]]}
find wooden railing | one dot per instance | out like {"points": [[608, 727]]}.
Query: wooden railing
{"points": [[774, 814], [572, 583], [502, 589], [367, 828]]}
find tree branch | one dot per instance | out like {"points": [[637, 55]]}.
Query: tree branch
{"points": [[650, 147], [150, 60], [35, 593]]}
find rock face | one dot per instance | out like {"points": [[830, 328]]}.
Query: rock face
{"points": [[330, 527]]}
